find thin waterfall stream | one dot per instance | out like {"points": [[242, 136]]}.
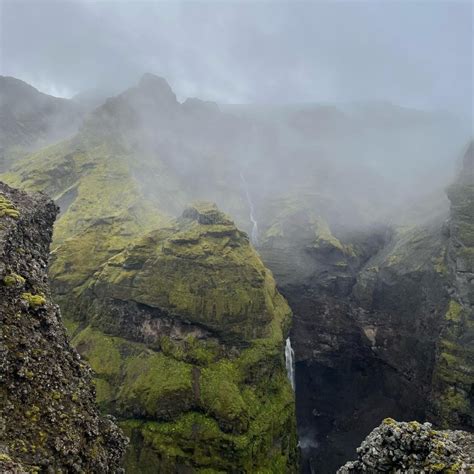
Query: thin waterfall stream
{"points": [[254, 233], [290, 362]]}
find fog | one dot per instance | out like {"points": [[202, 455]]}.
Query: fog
{"points": [[358, 109], [414, 54]]}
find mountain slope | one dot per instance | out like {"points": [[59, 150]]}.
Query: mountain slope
{"points": [[30, 119]]}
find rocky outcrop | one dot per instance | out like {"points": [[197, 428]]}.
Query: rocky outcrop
{"points": [[185, 331], [49, 419], [413, 447]]}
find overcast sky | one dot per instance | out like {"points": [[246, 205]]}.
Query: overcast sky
{"points": [[416, 54]]}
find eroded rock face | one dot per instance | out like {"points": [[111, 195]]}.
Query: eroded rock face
{"points": [[382, 323], [413, 447], [185, 330], [453, 379], [49, 419]]}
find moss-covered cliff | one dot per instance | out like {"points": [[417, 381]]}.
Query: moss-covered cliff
{"points": [[185, 331], [102, 208], [453, 393], [49, 419]]}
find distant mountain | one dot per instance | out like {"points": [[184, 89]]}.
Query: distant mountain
{"points": [[30, 119]]}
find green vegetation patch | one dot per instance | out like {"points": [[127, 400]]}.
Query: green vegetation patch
{"points": [[34, 301], [13, 279], [7, 208]]}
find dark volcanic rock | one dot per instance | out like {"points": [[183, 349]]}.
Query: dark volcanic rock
{"points": [[413, 447], [49, 419]]}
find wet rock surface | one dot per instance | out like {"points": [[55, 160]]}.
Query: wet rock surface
{"points": [[398, 447], [49, 419]]}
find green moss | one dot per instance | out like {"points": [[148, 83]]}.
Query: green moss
{"points": [[191, 350], [34, 301], [71, 326], [454, 311], [325, 238], [220, 395], [107, 210], [454, 401], [104, 392], [7, 208], [102, 352], [156, 385], [204, 273], [13, 280], [454, 468], [231, 412], [436, 467], [196, 440]]}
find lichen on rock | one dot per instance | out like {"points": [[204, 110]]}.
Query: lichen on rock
{"points": [[413, 447]]}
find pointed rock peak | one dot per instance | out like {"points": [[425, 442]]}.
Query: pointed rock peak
{"points": [[206, 213], [156, 87]]}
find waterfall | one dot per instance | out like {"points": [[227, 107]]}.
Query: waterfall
{"points": [[290, 362], [254, 234]]}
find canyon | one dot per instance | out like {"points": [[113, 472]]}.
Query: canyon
{"points": [[316, 298]]}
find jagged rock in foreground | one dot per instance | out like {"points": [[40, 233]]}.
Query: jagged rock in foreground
{"points": [[185, 330], [413, 447], [48, 417]]}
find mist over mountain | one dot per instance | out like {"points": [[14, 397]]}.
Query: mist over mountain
{"points": [[30, 119], [262, 256]]}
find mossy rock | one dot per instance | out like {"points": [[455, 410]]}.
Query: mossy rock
{"points": [[7, 209], [34, 301], [209, 390], [236, 413], [205, 273], [13, 279]]}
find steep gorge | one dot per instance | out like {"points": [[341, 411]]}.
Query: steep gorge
{"points": [[181, 321], [382, 323]]}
